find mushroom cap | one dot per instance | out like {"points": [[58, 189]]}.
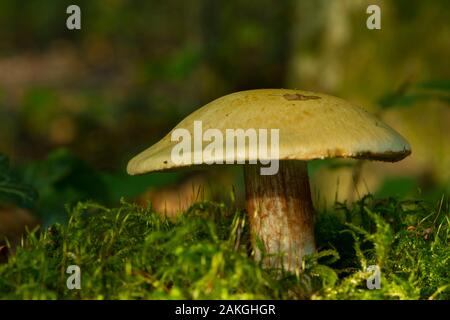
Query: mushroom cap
{"points": [[311, 126]]}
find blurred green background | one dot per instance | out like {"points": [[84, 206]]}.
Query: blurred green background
{"points": [[75, 106]]}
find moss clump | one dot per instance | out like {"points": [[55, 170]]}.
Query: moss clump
{"points": [[133, 253]]}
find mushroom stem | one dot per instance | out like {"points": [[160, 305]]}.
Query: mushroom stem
{"points": [[281, 214]]}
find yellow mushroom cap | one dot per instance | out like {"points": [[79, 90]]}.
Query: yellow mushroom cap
{"points": [[311, 126]]}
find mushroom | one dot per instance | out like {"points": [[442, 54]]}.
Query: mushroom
{"points": [[311, 126]]}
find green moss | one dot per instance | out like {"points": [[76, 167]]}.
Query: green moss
{"points": [[133, 253]]}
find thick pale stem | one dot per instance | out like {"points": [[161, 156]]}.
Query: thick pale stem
{"points": [[281, 213]]}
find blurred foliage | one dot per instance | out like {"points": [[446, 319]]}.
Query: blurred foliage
{"points": [[408, 94], [134, 253], [132, 72], [13, 191], [64, 179]]}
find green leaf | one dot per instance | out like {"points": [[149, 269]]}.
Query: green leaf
{"points": [[441, 85], [408, 95], [12, 190]]}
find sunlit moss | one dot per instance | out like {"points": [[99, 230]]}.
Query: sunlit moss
{"points": [[133, 253]]}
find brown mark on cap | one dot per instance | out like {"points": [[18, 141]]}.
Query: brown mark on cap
{"points": [[298, 96]]}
